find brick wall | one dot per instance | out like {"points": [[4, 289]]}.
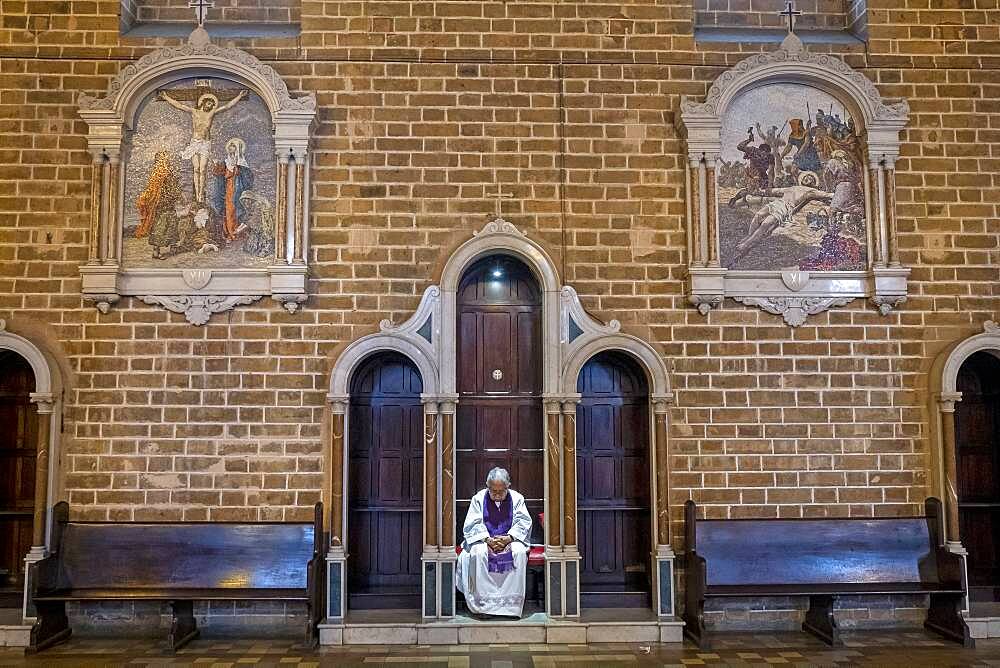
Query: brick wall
{"points": [[225, 11], [816, 14], [420, 103]]}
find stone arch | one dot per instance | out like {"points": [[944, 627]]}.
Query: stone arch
{"points": [[947, 365], [944, 396], [643, 353], [356, 353], [46, 397]]}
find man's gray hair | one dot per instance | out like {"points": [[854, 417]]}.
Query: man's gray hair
{"points": [[499, 475]]}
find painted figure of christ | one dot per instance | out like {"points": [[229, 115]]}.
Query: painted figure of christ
{"points": [[494, 559], [199, 149]]}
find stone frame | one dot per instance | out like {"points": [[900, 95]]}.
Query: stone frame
{"points": [[197, 293], [570, 336], [794, 294], [47, 399], [944, 396]]}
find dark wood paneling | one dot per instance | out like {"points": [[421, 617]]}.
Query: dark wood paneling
{"points": [[499, 420], [385, 484], [613, 481], [18, 441], [977, 439]]}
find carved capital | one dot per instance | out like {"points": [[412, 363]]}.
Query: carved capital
{"points": [[947, 401], [662, 402], [338, 402], [43, 401]]}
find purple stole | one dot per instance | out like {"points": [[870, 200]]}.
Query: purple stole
{"points": [[498, 522]]}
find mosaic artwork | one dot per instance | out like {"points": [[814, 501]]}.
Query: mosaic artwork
{"points": [[200, 179], [791, 183]]}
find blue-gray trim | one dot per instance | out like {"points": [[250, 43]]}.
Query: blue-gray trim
{"points": [[574, 330], [447, 589], [333, 578], [425, 329], [555, 588], [430, 589], [572, 577], [666, 587]]}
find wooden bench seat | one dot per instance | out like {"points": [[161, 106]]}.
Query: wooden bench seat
{"points": [[179, 563], [823, 559]]}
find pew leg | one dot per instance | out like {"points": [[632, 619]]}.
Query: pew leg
{"points": [[184, 628], [50, 628], [820, 621], [694, 625], [944, 616]]}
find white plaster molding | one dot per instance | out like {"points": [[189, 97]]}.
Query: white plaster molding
{"points": [[34, 356], [794, 309], [572, 311], [500, 236], [946, 369], [197, 309], [881, 119], [109, 120], [580, 351], [415, 348]]}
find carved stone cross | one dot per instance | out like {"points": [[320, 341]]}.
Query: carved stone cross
{"points": [[791, 13], [498, 195], [201, 8]]}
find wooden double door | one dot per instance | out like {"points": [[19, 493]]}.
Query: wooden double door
{"points": [[18, 443], [385, 484], [499, 381], [977, 441], [613, 508]]}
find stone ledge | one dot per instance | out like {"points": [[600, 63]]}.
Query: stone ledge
{"points": [[15, 636]]}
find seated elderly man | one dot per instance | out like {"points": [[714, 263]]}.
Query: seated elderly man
{"points": [[492, 566]]}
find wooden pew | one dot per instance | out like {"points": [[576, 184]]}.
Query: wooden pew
{"points": [[178, 562], [823, 559]]}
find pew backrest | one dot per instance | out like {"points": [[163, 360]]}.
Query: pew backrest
{"points": [[817, 551]]}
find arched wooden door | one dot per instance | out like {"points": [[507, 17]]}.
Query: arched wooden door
{"points": [[18, 442], [499, 376], [977, 440], [612, 444], [385, 483]]}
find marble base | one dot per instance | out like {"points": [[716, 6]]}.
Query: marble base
{"points": [[15, 635], [404, 627], [984, 627]]}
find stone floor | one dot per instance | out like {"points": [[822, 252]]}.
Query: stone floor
{"points": [[909, 649]]}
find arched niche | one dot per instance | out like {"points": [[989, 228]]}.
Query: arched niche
{"points": [[569, 336], [848, 249], [239, 245], [48, 403], [944, 395]]}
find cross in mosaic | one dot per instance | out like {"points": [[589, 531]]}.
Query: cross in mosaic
{"points": [[790, 12], [201, 8]]}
